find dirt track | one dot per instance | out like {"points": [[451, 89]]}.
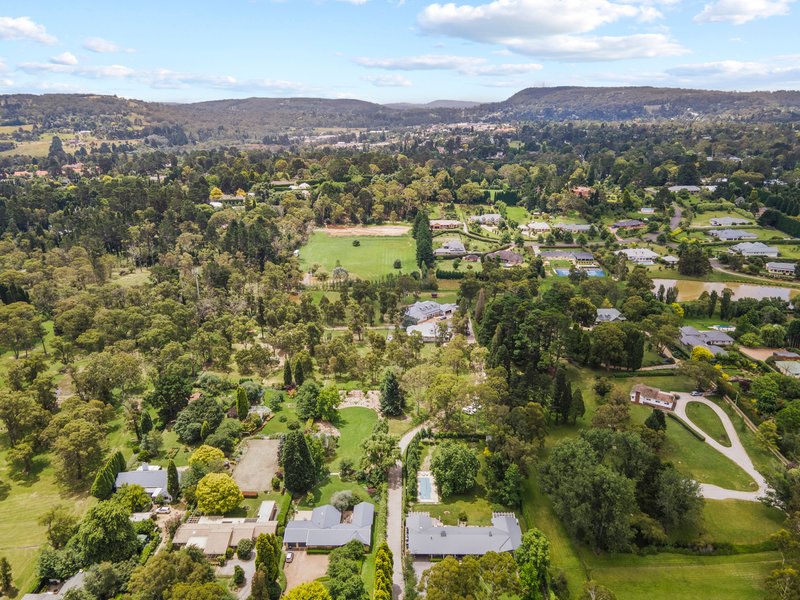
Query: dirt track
{"points": [[258, 464], [365, 230]]}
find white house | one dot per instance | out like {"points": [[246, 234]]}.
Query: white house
{"points": [[609, 315], [451, 248], [536, 228], [729, 235], [426, 310], [487, 219], [644, 394], [432, 331], [729, 221], [641, 256], [781, 268], [749, 249]]}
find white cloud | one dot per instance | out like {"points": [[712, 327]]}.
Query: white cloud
{"points": [[87, 71], [101, 46], [166, 79], [24, 28], [6, 83], [777, 73], [555, 29], [740, 12], [356, 2], [466, 65], [388, 80], [65, 58]]}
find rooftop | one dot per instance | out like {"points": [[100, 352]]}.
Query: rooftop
{"points": [[326, 529], [428, 538]]}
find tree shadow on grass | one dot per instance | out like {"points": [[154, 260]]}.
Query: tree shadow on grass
{"points": [[5, 490], [27, 479]]}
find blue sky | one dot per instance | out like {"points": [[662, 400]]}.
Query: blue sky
{"points": [[393, 50]]}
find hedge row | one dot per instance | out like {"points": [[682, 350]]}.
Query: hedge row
{"points": [[383, 573], [686, 426], [106, 477]]}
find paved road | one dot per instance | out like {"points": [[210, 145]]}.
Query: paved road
{"points": [[394, 516], [675, 220], [736, 453]]}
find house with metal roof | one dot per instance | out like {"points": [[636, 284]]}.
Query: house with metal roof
{"points": [[214, 535], [426, 537], [754, 249], [711, 339], [788, 367], [487, 219], [325, 528], [573, 227], [629, 224], [507, 258], [650, 396], [151, 477], [451, 248], [783, 269], [642, 256], [609, 315], [426, 310], [730, 235], [59, 590]]}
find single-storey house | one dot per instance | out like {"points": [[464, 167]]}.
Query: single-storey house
{"points": [[670, 260], [507, 258], [629, 224], [577, 258], [487, 219], [711, 339], [472, 258], [572, 227], [59, 591], [642, 256], [785, 355], [442, 224], [214, 535], [151, 477], [451, 248], [426, 538], [730, 235], [692, 189], [325, 529], [749, 249], [644, 394], [729, 221], [536, 228], [426, 310], [609, 315], [648, 210], [584, 258], [430, 331], [782, 269]]}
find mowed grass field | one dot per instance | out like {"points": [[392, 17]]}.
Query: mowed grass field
{"points": [[373, 258]]}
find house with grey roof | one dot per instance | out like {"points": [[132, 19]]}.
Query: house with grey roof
{"points": [[749, 249], [788, 367], [451, 248], [151, 477], [731, 235], [487, 219], [426, 537], [507, 258], [729, 221], [629, 224], [609, 315], [426, 310], [58, 591], [712, 340], [325, 528], [783, 269], [641, 256], [573, 227]]}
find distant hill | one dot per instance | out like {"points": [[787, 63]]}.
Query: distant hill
{"points": [[253, 118], [434, 104]]}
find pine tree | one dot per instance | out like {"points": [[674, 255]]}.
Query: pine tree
{"points": [[287, 373], [656, 420], [242, 404], [560, 399], [578, 408], [391, 398], [146, 423], [6, 579], [417, 220], [298, 466], [299, 375], [173, 482], [424, 242]]}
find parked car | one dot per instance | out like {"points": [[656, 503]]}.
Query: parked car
{"points": [[697, 393], [289, 557], [163, 510]]}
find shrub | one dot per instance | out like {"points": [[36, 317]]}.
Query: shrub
{"points": [[345, 500], [238, 576], [245, 549], [356, 243]]}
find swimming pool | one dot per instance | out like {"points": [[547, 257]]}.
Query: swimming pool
{"points": [[561, 272], [589, 272], [424, 488]]}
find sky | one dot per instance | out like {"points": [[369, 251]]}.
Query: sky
{"points": [[392, 50]]}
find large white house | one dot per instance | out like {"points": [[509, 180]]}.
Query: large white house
{"points": [[754, 249], [641, 256]]}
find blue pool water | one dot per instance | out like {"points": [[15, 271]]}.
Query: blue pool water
{"points": [[589, 272], [424, 487]]}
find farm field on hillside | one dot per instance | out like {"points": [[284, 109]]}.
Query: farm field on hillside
{"points": [[373, 258]]}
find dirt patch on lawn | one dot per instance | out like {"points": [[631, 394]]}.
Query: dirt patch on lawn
{"points": [[371, 230], [327, 428], [257, 466], [369, 399], [304, 568], [758, 353]]}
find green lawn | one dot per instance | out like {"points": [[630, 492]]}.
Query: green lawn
{"points": [[707, 420], [518, 214], [22, 502], [684, 577], [704, 219], [373, 258], [354, 425], [323, 492], [740, 522]]}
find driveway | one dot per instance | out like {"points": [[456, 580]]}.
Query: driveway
{"points": [[249, 567], [675, 220], [394, 517], [736, 453], [257, 466], [304, 568]]}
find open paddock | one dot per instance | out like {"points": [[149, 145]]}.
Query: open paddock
{"points": [[368, 230]]}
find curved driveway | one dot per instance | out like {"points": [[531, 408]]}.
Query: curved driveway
{"points": [[736, 453]]}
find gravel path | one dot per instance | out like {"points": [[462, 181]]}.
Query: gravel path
{"points": [[736, 453], [394, 517]]}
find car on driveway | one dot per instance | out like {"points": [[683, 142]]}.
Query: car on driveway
{"points": [[289, 557], [697, 393], [163, 510]]}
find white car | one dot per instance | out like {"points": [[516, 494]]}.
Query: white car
{"points": [[696, 393], [289, 557], [163, 510]]}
